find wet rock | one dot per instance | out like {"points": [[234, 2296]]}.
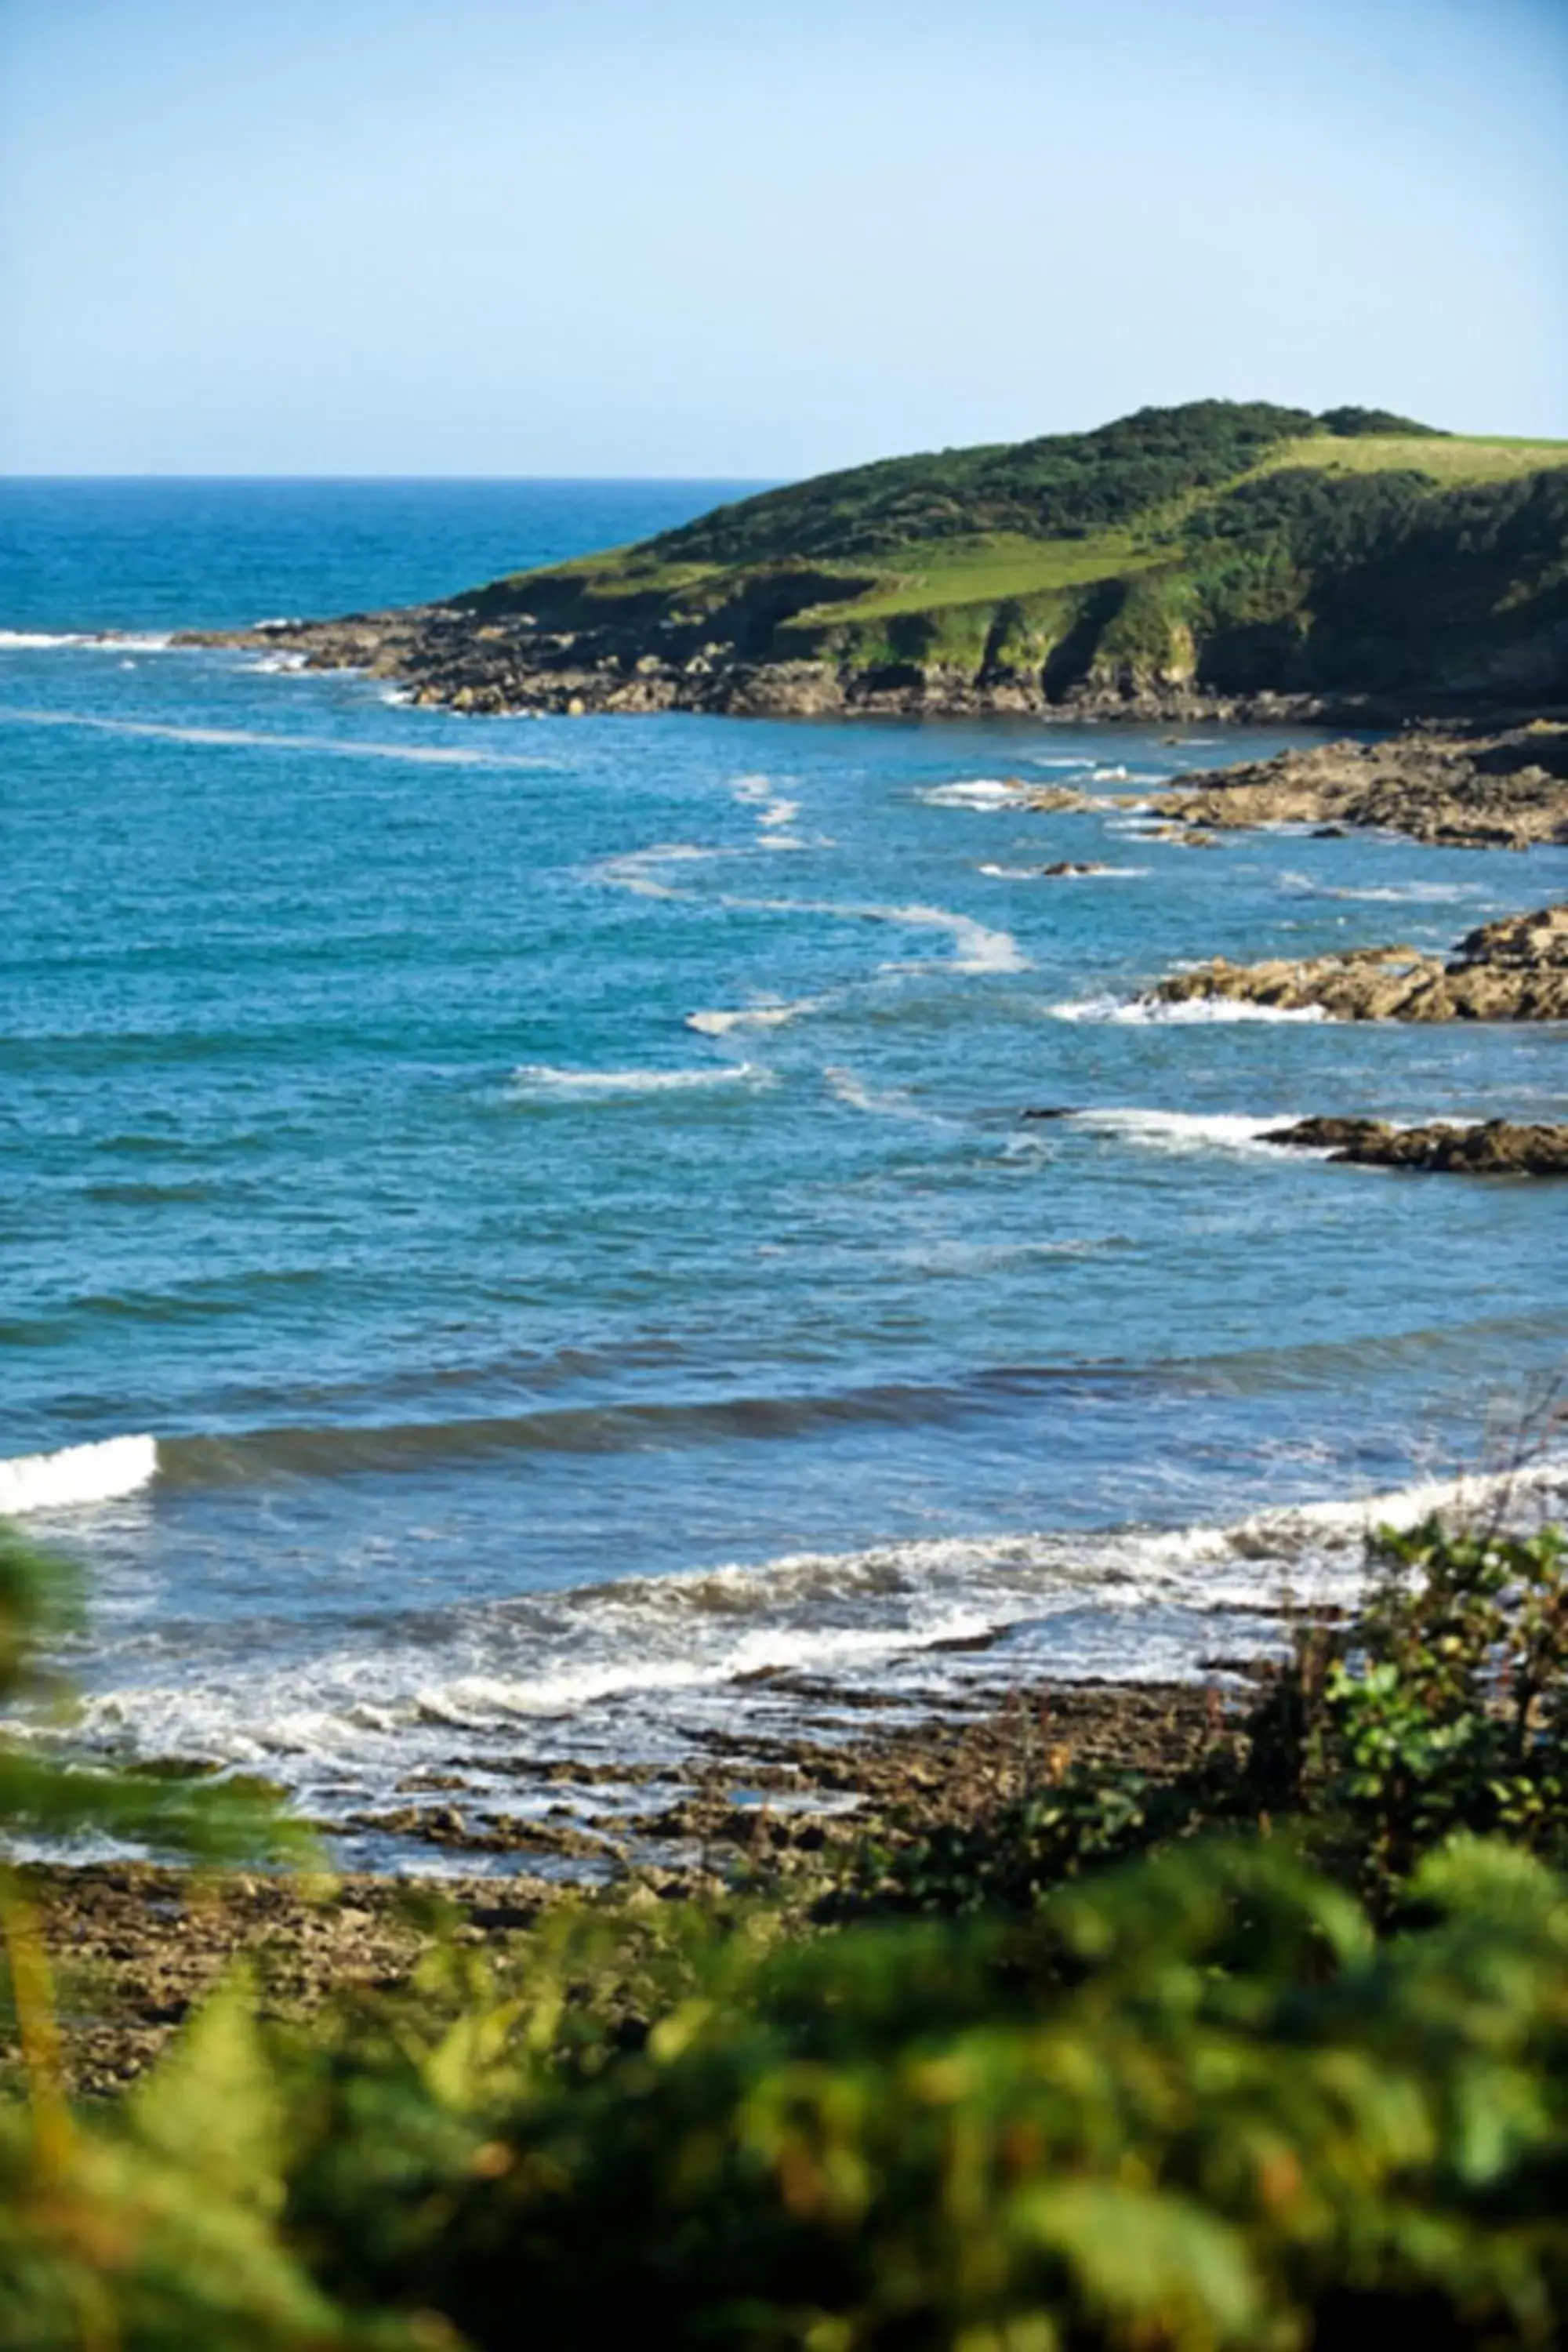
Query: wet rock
{"points": [[1329, 1134], [1495, 1147], [139, 1943]]}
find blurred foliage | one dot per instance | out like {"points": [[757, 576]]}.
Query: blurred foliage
{"points": [[46, 1791], [1130, 2084]]}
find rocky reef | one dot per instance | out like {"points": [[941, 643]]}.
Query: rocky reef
{"points": [[1493, 1147], [1514, 970], [1453, 787]]}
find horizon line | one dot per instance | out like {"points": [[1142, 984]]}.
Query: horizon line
{"points": [[103, 475]]}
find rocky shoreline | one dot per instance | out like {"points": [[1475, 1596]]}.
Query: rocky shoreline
{"points": [[1512, 969], [1452, 789], [1470, 781], [139, 1943], [512, 664]]}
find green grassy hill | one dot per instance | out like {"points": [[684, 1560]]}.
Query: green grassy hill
{"points": [[1239, 546]]}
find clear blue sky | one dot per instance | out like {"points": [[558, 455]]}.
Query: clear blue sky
{"points": [[681, 236]]}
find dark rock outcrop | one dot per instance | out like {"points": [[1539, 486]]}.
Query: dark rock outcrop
{"points": [[1494, 1147]]}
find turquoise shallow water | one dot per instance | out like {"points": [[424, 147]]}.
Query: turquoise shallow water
{"points": [[554, 1193]]}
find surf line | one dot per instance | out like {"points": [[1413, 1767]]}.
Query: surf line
{"points": [[980, 947], [229, 738]]}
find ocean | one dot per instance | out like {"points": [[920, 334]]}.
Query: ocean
{"points": [[522, 1238]]}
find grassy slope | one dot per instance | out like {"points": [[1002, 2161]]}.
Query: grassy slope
{"points": [[876, 568], [986, 567]]}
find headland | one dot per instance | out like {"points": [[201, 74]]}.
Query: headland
{"points": [[1223, 560]]}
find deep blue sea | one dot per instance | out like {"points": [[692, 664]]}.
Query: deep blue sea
{"points": [[534, 1220]]}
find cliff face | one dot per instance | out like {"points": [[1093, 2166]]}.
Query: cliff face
{"points": [[1223, 554]]}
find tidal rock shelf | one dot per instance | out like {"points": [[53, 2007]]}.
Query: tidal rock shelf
{"points": [[1512, 969], [1453, 790]]}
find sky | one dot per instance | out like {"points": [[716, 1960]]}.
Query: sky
{"points": [[678, 238]]}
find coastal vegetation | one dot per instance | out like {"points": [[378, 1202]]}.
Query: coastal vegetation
{"points": [[1269, 2051], [1192, 556], [1238, 545]]}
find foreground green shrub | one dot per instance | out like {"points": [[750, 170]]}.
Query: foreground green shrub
{"points": [[164, 2239], [1192, 2103], [1441, 1706], [1302, 2088], [46, 1792]]}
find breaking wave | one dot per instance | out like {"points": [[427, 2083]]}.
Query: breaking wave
{"points": [[77, 1476], [1181, 1130], [748, 1645]]}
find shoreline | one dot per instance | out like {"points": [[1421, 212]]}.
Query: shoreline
{"points": [[138, 1944], [509, 667]]}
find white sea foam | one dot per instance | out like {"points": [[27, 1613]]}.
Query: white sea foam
{"points": [[978, 793], [77, 1474], [1190, 1010], [1391, 894], [882, 1102], [547, 1079], [750, 1016], [478, 1701], [774, 810], [1133, 1601], [1044, 873], [980, 947], [328, 746], [148, 641], [638, 870], [1181, 1131]]}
